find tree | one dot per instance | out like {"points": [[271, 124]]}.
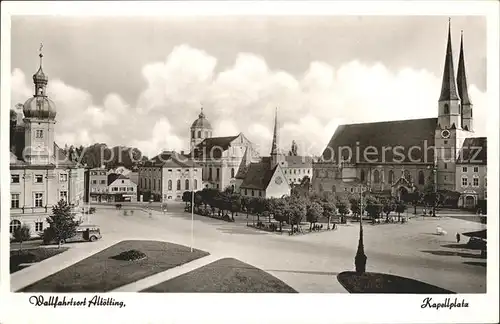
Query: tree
{"points": [[373, 208], [355, 206], [329, 210], [186, 197], [342, 206], [22, 234], [198, 199], [400, 208], [62, 222], [235, 204], [279, 209], [314, 211], [388, 208], [297, 211]]}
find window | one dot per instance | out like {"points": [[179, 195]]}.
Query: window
{"points": [[445, 142], [14, 200], [14, 178], [260, 193], [232, 172], [391, 176], [123, 188], [294, 171], [39, 133], [476, 169], [464, 169], [252, 193], [308, 171], [195, 185], [114, 189], [169, 184], [446, 166], [94, 181], [38, 178], [123, 181], [352, 189], [217, 172], [362, 176], [130, 188], [63, 195], [475, 182], [376, 177], [38, 226], [154, 185], [284, 171], [103, 181], [246, 192], [217, 186], [446, 109], [192, 134], [199, 134], [421, 178], [464, 181], [14, 224], [38, 199], [186, 184], [178, 184], [209, 173], [345, 189], [445, 178]]}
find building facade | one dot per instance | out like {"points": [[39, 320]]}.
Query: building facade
{"points": [[41, 174], [98, 185], [395, 157], [166, 176], [122, 189]]}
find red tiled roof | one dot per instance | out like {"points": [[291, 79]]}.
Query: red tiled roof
{"points": [[380, 135]]}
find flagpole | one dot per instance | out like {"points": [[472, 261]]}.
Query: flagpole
{"points": [[192, 205]]}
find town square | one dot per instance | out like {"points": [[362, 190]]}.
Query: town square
{"points": [[243, 178]]}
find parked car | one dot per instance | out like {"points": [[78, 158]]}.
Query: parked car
{"points": [[476, 243], [84, 233]]}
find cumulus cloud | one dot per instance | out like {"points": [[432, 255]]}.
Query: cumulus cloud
{"points": [[243, 98]]}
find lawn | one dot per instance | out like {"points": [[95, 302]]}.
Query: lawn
{"points": [[31, 256], [224, 276], [102, 271], [383, 283]]}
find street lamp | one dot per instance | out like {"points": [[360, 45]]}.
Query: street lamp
{"points": [[434, 173]]}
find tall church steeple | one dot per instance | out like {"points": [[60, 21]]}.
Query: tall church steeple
{"points": [[449, 115], [463, 89], [276, 155]]}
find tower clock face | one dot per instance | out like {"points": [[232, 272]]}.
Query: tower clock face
{"points": [[445, 133]]}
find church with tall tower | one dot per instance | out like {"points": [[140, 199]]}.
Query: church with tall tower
{"points": [[40, 173], [397, 157]]}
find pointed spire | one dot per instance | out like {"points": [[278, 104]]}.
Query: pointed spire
{"points": [[448, 88], [274, 147], [461, 75]]}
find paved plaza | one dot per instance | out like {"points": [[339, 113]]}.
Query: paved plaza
{"points": [[308, 263]]}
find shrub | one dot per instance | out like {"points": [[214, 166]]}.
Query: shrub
{"points": [[129, 255], [92, 210], [22, 234]]}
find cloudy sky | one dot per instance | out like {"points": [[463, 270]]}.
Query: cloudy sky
{"points": [[141, 81]]}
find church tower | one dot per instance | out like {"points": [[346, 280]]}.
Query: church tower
{"points": [[200, 129], [39, 120], [463, 90], [276, 156], [449, 109]]}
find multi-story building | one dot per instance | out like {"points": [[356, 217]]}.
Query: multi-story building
{"points": [[167, 175], [122, 189], [396, 157], [98, 185], [471, 172], [296, 168], [41, 174], [220, 157]]}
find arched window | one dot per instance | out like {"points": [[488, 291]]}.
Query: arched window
{"points": [[362, 176], [232, 172], [169, 184], [376, 176], [391, 176], [446, 109], [195, 185], [199, 134], [421, 178], [178, 184], [210, 173], [217, 173], [14, 224], [186, 184], [192, 134]]}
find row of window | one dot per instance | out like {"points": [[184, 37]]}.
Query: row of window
{"points": [[475, 169], [15, 224], [38, 178], [253, 192], [128, 189], [206, 133], [37, 199], [377, 176], [146, 184], [475, 181], [97, 173], [297, 171], [100, 181]]}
